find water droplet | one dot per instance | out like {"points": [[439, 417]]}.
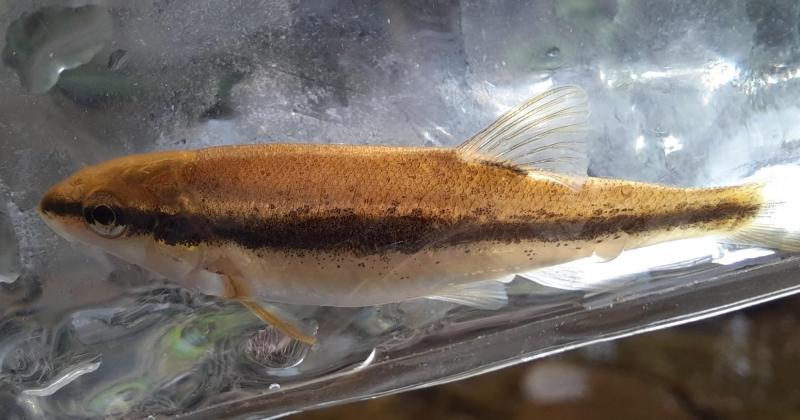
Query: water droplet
{"points": [[274, 387], [553, 52]]}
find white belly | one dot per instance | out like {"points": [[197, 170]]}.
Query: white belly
{"points": [[328, 279]]}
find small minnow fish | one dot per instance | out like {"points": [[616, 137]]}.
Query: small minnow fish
{"points": [[345, 225]]}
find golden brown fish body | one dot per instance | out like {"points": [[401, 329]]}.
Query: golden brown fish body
{"points": [[361, 225], [357, 225]]}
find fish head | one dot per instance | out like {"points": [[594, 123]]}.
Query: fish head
{"points": [[113, 205]]}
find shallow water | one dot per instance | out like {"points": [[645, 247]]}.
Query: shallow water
{"points": [[684, 93]]}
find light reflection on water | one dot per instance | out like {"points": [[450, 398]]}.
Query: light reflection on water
{"points": [[84, 335]]}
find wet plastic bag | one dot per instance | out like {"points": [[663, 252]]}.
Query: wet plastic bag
{"points": [[684, 93]]}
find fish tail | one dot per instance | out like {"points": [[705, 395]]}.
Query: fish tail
{"points": [[777, 223]]}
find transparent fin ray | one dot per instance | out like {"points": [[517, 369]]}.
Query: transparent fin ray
{"points": [[777, 224], [632, 266], [566, 277], [547, 132], [234, 288], [284, 326], [488, 294], [507, 279]]}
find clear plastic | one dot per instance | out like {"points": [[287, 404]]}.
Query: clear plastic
{"points": [[683, 93]]}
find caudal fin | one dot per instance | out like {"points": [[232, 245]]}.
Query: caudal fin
{"points": [[777, 224]]}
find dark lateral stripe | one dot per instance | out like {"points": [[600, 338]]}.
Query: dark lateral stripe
{"points": [[403, 233], [61, 207]]}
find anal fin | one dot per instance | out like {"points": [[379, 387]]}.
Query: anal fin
{"points": [[596, 274], [488, 294]]}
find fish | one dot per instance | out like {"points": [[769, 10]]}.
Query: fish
{"points": [[363, 225]]}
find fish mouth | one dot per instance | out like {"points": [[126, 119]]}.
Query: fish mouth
{"points": [[44, 208]]}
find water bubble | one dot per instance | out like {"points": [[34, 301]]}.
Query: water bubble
{"points": [[271, 348], [274, 387]]}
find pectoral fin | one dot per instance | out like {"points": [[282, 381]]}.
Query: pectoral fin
{"points": [[238, 291], [284, 326]]}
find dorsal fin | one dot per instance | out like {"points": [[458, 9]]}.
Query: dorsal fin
{"points": [[547, 132]]}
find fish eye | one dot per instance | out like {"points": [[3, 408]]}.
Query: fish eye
{"points": [[103, 219], [104, 215]]}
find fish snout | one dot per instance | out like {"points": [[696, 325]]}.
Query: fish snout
{"points": [[55, 203]]}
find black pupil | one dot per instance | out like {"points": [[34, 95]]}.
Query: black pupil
{"points": [[103, 215]]}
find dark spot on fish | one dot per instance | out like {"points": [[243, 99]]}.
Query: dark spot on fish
{"points": [[481, 211], [514, 170]]}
